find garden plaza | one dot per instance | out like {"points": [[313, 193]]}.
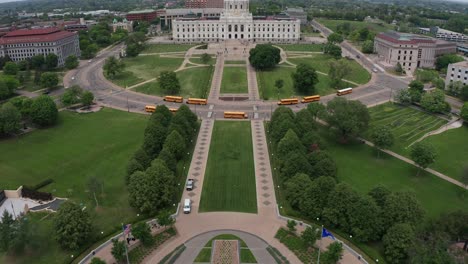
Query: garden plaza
{"points": [[236, 23]]}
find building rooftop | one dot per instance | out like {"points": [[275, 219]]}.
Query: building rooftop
{"points": [[34, 35], [408, 39], [144, 11]]}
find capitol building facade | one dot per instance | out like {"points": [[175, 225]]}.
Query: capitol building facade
{"points": [[236, 22]]}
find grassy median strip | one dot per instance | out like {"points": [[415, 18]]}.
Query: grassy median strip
{"points": [[234, 80], [229, 183]]}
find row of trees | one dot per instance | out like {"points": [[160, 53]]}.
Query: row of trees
{"points": [[75, 95], [151, 171], [98, 36], [41, 111], [433, 101]]}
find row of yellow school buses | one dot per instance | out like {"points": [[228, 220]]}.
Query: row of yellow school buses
{"points": [[240, 115], [312, 98]]}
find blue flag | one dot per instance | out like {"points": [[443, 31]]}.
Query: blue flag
{"points": [[326, 233]]}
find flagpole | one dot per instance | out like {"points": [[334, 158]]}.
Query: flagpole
{"points": [[125, 243], [320, 244]]}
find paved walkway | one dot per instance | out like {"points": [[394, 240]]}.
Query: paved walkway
{"points": [[252, 82], [256, 245], [217, 78]]}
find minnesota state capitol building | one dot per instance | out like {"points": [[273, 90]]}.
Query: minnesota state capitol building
{"points": [[236, 22]]}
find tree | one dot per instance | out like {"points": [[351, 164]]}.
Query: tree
{"points": [[304, 79], [8, 85], [175, 143], [113, 66], [316, 196], [443, 61], [97, 261], [44, 111], [423, 154], [279, 84], [71, 95], [165, 218], [132, 167], [382, 137], [292, 226], [397, 241], [71, 62], [155, 135], [294, 163], [87, 98], [322, 164], [335, 38], [464, 112], [10, 68], [403, 97], [290, 143], [6, 231], [401, 207], [348, 117], [49, 80], [151, 190], [309, 236], [464, 93], [416, 86], [316, 109], [368, 47], [51, 61], [169, 82], [398, 68], [336, 211], [10, 119], [264, 56], [205, 58], [332, 50], [142, 231], [72, 226], [295, 189], [118, 250], [37, 61], [339, 69], [435, 102], [379, 193], [333, 253]]}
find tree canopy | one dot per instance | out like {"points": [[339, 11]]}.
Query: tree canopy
{"points": [[72, 226], [169, 82], [44, 111], [304, 79], [264, 56]]}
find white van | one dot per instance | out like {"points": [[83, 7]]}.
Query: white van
{"points": [[187, 206]]}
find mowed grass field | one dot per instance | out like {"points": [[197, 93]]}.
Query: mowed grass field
{"points": [[452, 151], [234, 80], [302, 47], [160, 48], [229, 183], [79, 147], [143, 68], [407, 124], [194, 82], [373, 27], [321, 63], [268, 91]]}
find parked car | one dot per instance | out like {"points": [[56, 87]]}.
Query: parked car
{"points": [[187, 206], [189, 185]]}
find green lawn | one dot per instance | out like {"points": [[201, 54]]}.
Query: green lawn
{"points": [[194, 82], [105, 140], [268, 91], [158, 48], [321, 62], [373, 27], [234, 62], [246, 255], [407, 124], [234, 80], [229, 183], [142, 68], [359, 166], [302, 47], [452, 151], [212, 61]]}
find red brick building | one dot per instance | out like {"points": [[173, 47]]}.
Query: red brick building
{"points": [[147, 15], [195, 3], [215, 3]]}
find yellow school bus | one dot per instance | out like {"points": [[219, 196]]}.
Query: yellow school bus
{"points": [[197, 101], [312, 98], [237, 115], [288, 101], [344, 91], [150, 108], [175, 99], [173, 110]]}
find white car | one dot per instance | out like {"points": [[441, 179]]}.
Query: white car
{"points": [[375, 70], [187, 206], [189, 185]]}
